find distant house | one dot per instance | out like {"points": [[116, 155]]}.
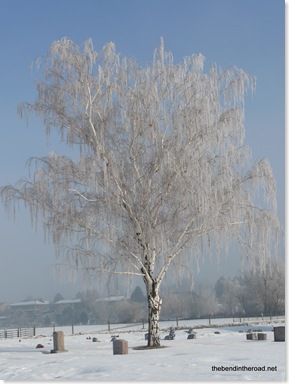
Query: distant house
{"points": [[30, 306], [60, 305], [111, 299]]}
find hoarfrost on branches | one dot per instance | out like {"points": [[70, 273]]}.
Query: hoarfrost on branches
{"points": [[163, 175]]}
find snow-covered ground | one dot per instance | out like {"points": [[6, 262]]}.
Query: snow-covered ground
{"points": [[212, 356]]}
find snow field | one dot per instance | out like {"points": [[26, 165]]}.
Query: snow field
{"points": [[206, 358]]}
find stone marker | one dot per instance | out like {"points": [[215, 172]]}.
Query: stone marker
{"points": [[113, 337], [58, 342], [171, 335], [252, 336], [279, 333], [192, 336], [120, 347], [262, 336]]}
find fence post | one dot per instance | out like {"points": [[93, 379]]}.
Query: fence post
{"points": [[72, 326], [34, 330], [177, 321], [108, 326]]}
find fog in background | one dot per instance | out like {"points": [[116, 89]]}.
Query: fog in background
{"points": [[247, 33]]}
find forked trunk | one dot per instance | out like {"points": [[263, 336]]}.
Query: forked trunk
{"points": [[154, 309]]}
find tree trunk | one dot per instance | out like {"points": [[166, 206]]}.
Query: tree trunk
{"points": [[154, 308]]}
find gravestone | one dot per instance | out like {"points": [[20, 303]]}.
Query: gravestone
{"points": [[192, 336], [120, 347], [58, 342], [113, 337], [252, 336], [279, 333], [262, 336], [171, 335]]}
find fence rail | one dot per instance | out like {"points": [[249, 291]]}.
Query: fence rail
{"points": [[17, 332], [164, 324]]}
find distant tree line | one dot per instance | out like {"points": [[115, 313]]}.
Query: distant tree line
{"points": [[254, 294], [251, 294], [247, 295]]}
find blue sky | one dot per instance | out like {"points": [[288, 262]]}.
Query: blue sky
{"points": [[247, 33]]}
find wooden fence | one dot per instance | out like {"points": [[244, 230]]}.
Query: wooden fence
{"points": [[18, 332]]}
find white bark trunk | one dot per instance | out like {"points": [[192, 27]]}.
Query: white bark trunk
{"points": [[154, 308]]}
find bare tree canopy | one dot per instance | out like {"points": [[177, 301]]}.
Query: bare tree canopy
{"points": [[163, 175]]}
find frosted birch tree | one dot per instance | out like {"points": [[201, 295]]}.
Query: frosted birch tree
{"points": [[163, 175]]}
